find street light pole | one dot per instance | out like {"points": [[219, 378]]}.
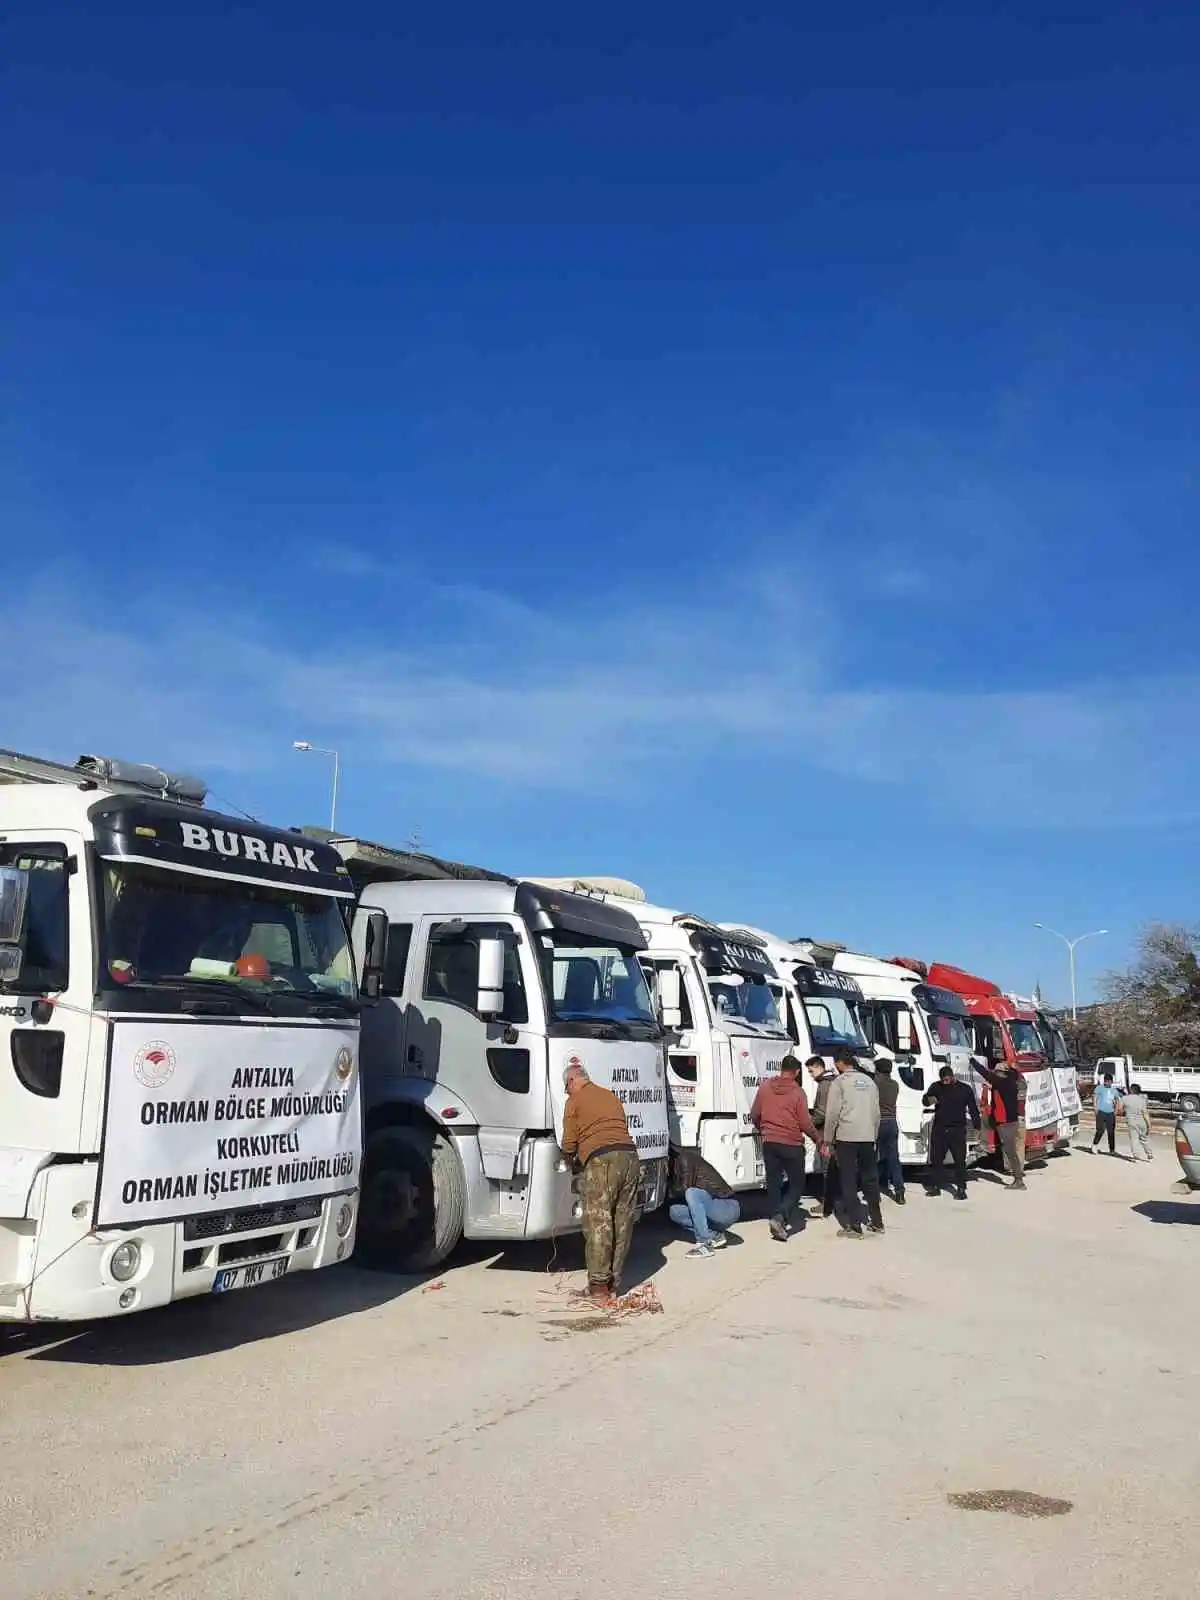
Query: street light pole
{"points": [[1096, 933], [317, 750]]}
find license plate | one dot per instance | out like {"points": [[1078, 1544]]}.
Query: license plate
{"points": [[254, 1272]]}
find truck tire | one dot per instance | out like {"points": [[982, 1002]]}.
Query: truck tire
{"points": [[1189, 1103], [414, 1199]]}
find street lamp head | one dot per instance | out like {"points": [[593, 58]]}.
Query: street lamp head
{"points": [[301, 744]]}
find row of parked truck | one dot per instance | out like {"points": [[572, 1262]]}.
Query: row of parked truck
{"points": [[228, 1050]]}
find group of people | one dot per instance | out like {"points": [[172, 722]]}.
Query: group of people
{"points": [[1110, 1103], [851, 1121]]}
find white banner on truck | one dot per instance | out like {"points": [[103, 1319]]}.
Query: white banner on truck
{"points": [[1067, 1084], [1041, 1099], [205, 1116]]}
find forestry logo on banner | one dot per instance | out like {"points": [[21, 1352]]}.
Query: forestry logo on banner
{"points": [[154, 1064], [343, 1064]]}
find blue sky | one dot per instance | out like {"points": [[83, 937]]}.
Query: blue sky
{"points": [[750, 454]]}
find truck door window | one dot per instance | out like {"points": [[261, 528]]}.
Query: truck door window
{"points": [[45, 966], [395, 960], [452, 967]]}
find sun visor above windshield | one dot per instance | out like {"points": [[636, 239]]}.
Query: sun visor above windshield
{"points": [[731, 955], [544, 908], [824, 981], [946, 1001], [187, 839]]}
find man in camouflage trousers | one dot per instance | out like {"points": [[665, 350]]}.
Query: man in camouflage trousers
{"points": [[596, 1134]]}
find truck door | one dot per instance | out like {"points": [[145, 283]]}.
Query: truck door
{"points": [[684, 1050], [495, 1065], [52, 1057]]}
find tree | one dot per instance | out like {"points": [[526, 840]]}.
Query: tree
{"points": [[1156, 1004]]}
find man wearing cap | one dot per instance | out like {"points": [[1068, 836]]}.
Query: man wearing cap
{"points": [[596, 1134], [953, 1103]]}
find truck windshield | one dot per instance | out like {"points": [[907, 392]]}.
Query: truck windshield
{"points": [[1056, 1046], [596, 983], [1026, 1041], [946, 1030], [172, 930], [832, 1023], [745, 999]]}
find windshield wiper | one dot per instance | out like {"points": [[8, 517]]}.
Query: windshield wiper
{"points": [[219, 988]]}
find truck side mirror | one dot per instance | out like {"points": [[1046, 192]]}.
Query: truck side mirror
{"points": [[490, 999], [904, 1030], [670, 997], [369, 937], [14, 898]]}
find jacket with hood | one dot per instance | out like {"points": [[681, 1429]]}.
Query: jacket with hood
{"points": [[780, 1112], [852, 1110]]}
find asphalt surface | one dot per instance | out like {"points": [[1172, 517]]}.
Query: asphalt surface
{"points": [[796, 1420]]}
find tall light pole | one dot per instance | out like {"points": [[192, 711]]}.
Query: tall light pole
{"points": [[1096, 933], [316, 750]]}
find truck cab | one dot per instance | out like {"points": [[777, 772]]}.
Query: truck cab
{"points": [[717, 996], [491, 987], [179, 1020], [921, 1028]]}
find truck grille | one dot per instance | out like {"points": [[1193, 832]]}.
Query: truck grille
{"points": [[222, 1222]]}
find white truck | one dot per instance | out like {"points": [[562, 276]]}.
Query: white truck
{"points": [[491, 987], [821, 1009], [179, 1107], [1165, 1083], [725, 1034], [921, 1028]]}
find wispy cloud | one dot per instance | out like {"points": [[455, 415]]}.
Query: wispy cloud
{"points": [[593, 699]]}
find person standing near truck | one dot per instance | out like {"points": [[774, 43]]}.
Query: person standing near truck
{"points": [[596, 1134], [953, 1103], [1008, 1091], [781, 1116], [823, 1078], [1107, 1101], [1136, 1108], [851, 1129], [887, 1145]]}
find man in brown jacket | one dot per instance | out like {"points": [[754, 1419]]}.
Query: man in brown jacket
{"points": [[596, 1134], [780, 1114]]}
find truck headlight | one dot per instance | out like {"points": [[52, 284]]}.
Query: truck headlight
{"points": [[125, 1260]]}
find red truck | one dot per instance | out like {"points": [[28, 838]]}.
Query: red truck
{"points": [[1008, 1032], [1003, 1031]]}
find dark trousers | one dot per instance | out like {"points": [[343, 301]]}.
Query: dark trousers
{"points": [[1106, 1123], [945, 1142], [785, 1178], [829, 1185], [887, 1152], [857, 1170]]}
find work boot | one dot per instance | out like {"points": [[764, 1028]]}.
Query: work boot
{"points": [[850, 1233], [601, 1293], [960, 1194], [1017, 1183], [779, 1229], [898, 1197], [876, 1227]]}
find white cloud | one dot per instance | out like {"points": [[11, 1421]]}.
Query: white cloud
{"points": [[588, 698]]}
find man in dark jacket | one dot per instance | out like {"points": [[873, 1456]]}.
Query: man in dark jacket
{"points": [[1008, 1094], [887, 1145], [953, 1103], [781, 1115], [823, 1077], [700, 1201]]}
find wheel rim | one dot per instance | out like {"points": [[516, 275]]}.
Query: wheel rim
{"points": [[397, 1205]]}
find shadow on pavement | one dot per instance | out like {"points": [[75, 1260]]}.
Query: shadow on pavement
{"points": [[1169, 1211], [211, 1323]]}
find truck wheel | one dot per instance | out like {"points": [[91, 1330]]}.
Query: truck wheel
{"points": [[414, 1199], [1189, 1103]]}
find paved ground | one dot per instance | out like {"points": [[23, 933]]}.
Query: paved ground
{"points": [[792, 1424]]}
